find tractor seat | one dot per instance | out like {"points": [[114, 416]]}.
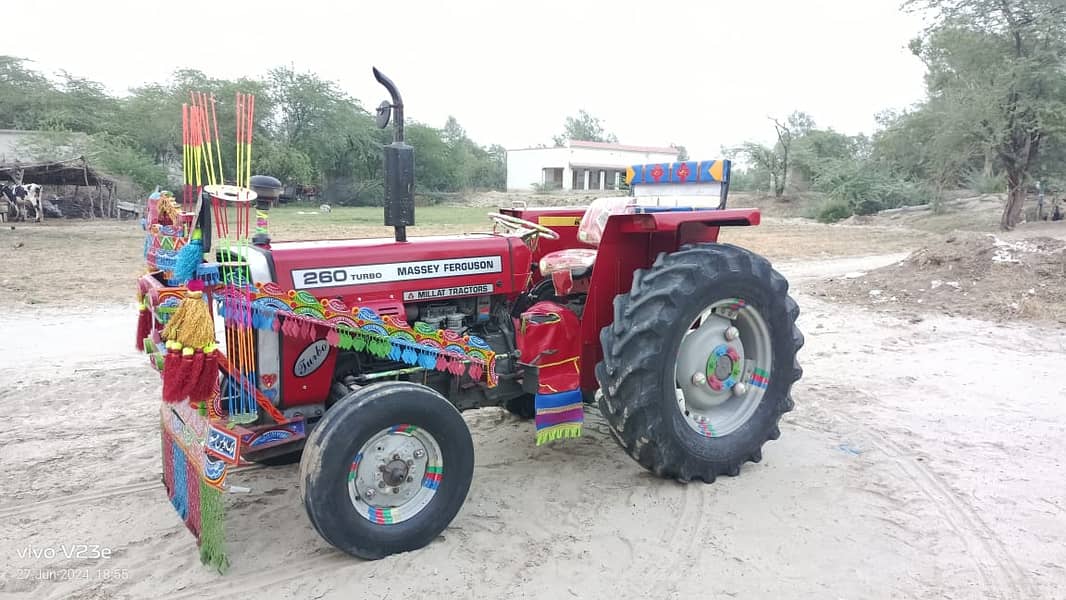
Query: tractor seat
{"points": [[573, 265]]}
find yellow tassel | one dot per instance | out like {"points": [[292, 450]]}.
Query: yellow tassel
{"points": [[173, 324], [191, 324]]}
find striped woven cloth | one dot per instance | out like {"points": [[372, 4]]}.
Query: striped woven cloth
{"points": [[559, 415]]}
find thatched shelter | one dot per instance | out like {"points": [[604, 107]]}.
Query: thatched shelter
{"points": [[60, 175]]}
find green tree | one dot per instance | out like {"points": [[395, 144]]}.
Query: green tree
{"points": [[996, 66], [764, 165], [775, 160], [682, 152], [307, 131], [584, 127], [322, 133], [26, 96]]}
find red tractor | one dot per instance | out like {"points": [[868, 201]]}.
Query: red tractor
{"points": [[686, 346]]}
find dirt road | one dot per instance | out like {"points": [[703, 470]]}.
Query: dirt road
{"points": [[923, 460]]}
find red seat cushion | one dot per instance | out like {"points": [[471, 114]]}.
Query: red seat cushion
{"points": [[563, 266], [573, 258]]}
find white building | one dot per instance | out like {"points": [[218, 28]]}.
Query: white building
{"points": [[579, 165]]}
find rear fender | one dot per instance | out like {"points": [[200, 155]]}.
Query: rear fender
{"points": [[631, 242]]}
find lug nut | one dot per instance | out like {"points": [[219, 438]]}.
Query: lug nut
{"points": [[369, 494], [395, 457], [410, 463], [420, 453], [740, 389], [410, 479], [381, 484], [395, 490], [699, 379], [732, 333]]}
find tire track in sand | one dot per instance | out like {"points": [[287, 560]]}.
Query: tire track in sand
{"points": [[995, 565], [93, 496], [269, 576]]}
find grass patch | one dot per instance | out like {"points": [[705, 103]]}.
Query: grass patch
{"points": [[441, 214]]}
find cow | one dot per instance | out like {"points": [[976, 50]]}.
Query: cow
{"points": [[22, 198]]}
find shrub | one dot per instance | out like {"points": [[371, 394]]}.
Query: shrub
{"points": [[981, 183], [833, 210], [546, 188], [866, 189]]}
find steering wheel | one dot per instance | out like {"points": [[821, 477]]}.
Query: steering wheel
{"points": [[515, 223]]}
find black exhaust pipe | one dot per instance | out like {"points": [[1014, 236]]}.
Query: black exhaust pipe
{"points": [[399, 163]]}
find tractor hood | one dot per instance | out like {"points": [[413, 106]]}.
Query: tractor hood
{"points": [[422, 268]]}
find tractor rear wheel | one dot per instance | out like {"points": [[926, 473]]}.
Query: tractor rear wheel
{"points": [[699, 362], [386, 469]]}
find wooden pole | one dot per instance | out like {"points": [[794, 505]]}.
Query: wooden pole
{"points": [[77, 188]]}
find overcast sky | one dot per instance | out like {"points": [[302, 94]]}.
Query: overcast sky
{"points": [[699, 73]]}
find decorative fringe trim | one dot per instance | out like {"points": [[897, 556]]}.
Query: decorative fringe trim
{"points": [[301, 315], [557, 432], [212, 535], [198, 503]]}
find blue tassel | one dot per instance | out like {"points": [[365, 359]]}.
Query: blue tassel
{"points": [[427, 360], [207, 273], [189, 257], [410, 356]]}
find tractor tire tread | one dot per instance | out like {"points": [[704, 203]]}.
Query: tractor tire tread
{"points": [[630, 375]]}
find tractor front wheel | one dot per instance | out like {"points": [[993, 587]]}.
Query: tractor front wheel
{"points": [[699, 362], [386, 469]]}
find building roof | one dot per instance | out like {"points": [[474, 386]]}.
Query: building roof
{"points": [[623, 147], [75, 171], [603, 146]]}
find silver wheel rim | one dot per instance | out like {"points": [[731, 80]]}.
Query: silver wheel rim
{"points": [[723, 367], [395, 474]]}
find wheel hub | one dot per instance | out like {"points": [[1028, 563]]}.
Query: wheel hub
{"points": [[395, 474], [714, 372], [724, 367], [725, 345]]}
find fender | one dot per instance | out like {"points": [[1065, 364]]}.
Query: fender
{"points": [[631, 242]]}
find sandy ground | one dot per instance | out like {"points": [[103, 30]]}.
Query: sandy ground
{"points": [[980, 275], [922, 461]]}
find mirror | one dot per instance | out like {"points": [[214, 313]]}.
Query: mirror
{"points": [[384, 113]]}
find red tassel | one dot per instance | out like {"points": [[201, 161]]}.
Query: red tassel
{"points": [[456, 367], [442, 363], [332, 337], [207, 379], [144, 326], [475, 371], [172, 375], [195, 365]]}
